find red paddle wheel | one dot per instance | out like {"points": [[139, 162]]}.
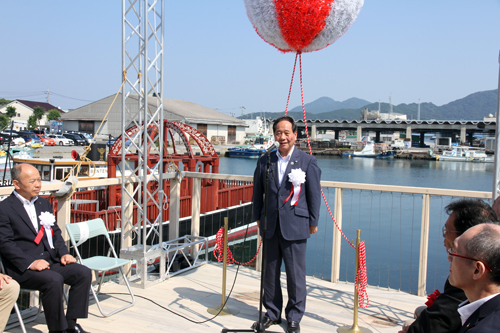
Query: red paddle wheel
{"points": [[206, 161]]}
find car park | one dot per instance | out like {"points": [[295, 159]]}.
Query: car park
{"points": [[16, 140], [46, 140], [83, 135], [61, 140], [77, 140]]}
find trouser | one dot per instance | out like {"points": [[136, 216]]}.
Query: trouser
{"points": [[8, 296], [50, 283], [293, 254]]}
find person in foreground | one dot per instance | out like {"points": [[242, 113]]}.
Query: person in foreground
{"points": [[293, 205], [475, 268], [35, 254], [9, 291], [442, 315]]}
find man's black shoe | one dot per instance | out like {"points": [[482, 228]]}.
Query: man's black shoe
{"points": [[293, 327], [77, 329], [267, 322]]}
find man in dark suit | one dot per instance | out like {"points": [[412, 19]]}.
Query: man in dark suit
{"points": [[293, 204], [442, 315], [35, 254], [475, 268]]}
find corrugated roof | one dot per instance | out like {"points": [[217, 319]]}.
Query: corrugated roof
{"points": [[174, 110]]}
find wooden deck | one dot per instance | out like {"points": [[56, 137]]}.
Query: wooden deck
{"points": [[191, 294]]}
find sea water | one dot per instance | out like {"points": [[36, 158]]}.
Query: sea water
{"points": [[389, 222]]}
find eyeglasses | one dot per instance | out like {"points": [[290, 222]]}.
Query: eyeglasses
{"points": [[445, 231], [469, 258]]}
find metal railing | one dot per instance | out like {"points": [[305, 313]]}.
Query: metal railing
{"points": [[393, 220]]}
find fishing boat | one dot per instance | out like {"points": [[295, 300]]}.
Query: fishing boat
{"points": [[257, 148], [464, 154], [369, 151]]}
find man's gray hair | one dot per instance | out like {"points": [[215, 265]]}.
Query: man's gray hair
{"points": [[485, 246]]}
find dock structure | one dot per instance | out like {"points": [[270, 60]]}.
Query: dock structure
{"points": [[329, 305]]}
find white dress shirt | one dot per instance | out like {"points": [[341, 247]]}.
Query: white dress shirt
{"points": [[466, 310], [283, 163]]}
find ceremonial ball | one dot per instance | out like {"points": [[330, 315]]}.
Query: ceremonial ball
{"points": [[302, 25]]}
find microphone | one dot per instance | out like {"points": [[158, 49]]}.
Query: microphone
{"points": [[272, 147]]}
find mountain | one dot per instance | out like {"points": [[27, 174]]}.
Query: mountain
{"points": [[323, 104], [475, 106]]}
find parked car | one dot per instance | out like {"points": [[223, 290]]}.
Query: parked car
{"points": [[29, 136], [48, 141], [112, 140], [77, 140], [83, 135], [16, 140], [61, 140]]}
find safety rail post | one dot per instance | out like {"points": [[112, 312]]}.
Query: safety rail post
{"points": [[195, 213], [336, 245], [64, 217], [424, 244], [175, 198]]}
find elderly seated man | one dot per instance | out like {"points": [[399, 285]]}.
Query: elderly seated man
{"points": [[475, 268], [35, 255], [442, 315]]}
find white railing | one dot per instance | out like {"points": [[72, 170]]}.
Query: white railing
{"points": [[64, 210]]}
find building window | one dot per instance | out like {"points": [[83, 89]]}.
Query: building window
{"points": [[202, 128], [19, 115]]}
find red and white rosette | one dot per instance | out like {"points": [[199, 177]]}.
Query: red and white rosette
{"points": [[47, 220], [297, 177], [302, 25]]}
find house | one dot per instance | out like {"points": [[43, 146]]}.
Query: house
{"points": [[24, 109], [216, 126]]}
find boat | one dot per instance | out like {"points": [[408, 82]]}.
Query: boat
{"points": [[369, 151], [464, 154], [25, 152], [249, 151]]}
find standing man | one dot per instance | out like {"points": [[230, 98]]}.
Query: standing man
{"points": [[475, 268], [35, 254], [442, 315], [293, 204]]}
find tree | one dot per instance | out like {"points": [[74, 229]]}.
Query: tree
{"points": [[32, 122], [53, 114], [38, 113], [4, 122], [4, 101], [11, 111]]}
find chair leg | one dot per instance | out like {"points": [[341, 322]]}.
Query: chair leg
{"points": [[20, 318], [120, 309]]}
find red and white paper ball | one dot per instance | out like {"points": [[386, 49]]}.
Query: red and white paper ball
{"points": [[302, 25]]}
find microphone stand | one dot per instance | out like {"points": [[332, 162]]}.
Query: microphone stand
{"points": [[259, 328]]}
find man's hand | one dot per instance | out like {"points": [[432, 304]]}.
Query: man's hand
{"points": [[313, 230], [3, 278], [39, 265], [67, 259]]}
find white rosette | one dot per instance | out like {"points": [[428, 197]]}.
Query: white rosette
{"points": [[47, 220], [297, 177]]}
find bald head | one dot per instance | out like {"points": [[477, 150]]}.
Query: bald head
{"points": [[26, 180]]}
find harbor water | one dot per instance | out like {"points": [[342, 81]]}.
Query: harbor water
{"points": [[389, 222]]}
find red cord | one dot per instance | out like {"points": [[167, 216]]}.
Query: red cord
{"points": [[361, 276], [219, 250]]}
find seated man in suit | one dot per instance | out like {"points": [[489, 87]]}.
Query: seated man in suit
{"points": [[475, 268], [35, 254], [442, 315], [9, 291]]}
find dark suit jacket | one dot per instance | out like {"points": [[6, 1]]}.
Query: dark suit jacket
{"points": [[294, 220], [442, 316], [486, 319], [17, 237]]}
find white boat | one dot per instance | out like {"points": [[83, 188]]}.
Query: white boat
{"points": [[464, 154], [369, 151]]}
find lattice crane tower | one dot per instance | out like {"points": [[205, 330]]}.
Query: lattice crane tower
{"points": [[142, 111]]}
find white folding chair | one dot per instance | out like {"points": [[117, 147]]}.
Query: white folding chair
{"points": [[79, 233]]}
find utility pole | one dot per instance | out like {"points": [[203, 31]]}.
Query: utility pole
{"points": [[48, 95], [418, 114]]}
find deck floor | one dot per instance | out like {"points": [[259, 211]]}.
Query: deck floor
{"points": [[192, 293]]}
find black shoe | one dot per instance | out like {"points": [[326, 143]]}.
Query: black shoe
{"points": [[293, 327], [77, 329], [267, 322]]}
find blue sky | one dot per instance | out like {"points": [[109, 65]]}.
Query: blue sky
{"points": [[435, 51]]}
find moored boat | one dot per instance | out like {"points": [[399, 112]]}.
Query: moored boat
{"points": [[369, 151]]}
